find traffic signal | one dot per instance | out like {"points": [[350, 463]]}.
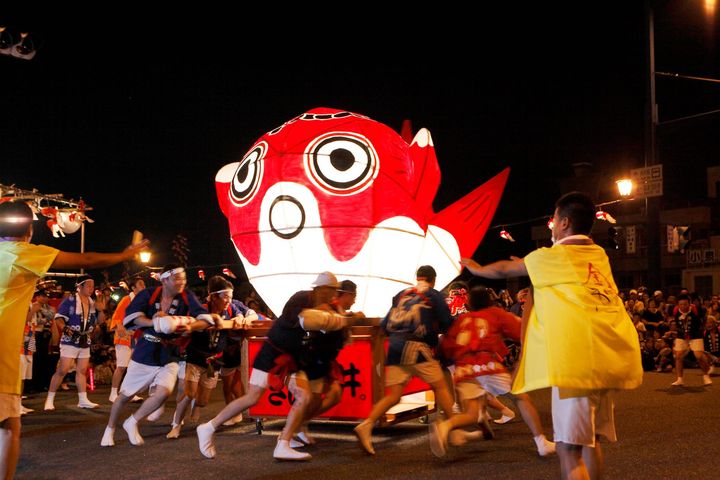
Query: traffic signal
{"points": [[612, 238]]}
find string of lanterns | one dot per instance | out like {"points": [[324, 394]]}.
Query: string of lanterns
{"points": [[506, 235]]}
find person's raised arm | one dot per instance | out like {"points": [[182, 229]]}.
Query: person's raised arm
{"points": [[93, 260], [515, 267]]}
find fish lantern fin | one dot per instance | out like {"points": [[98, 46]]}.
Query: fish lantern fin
{"points": [[222, 185], [426, 171], [469, 218], [406, 131]]}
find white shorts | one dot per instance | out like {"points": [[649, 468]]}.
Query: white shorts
{"points": [[469, 389], [259, 378], [122, 355], [9, 406], [496, 384], [315, 386], [429, 372], [26, 362], [682, 345], [580, 415], [71, 351], [140, 376], [181, 369], [194, 373]]}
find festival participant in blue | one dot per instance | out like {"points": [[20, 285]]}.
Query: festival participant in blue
{"points": [[77, 318], [162, 315], [205, 351], [418, 315], [282, 354], [231, 372]]}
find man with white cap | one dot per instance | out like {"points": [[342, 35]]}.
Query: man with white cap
{"points": [[283, 353], [77, 318], [326, 368], [163, 314]]}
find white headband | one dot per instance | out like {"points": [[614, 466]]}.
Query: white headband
{"points": [[15, 219], [169, 273], [221, 291]]}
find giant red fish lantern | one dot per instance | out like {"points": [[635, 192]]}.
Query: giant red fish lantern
{"points": [[332, 190]]}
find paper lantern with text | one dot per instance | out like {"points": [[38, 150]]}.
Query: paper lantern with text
{"points": [[332, 190]]}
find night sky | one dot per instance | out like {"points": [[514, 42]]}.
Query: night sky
{"points": [[137, 115]]}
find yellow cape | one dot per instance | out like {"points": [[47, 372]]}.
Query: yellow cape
{"points": [[578, 334], [21, 265]]}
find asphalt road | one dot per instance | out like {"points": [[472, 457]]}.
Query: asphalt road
{"points": [[664, 433]]}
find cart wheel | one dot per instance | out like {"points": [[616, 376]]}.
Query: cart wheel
{"points": [[259, 426], [424, 419]]}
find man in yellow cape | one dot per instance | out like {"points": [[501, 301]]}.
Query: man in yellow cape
{"points": [[577, 337], [22, 264]]}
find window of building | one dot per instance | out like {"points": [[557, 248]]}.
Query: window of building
{"points": [[704, 285]]}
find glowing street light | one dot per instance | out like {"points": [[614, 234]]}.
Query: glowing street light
{"points": [[710, 6], [625, 187]]}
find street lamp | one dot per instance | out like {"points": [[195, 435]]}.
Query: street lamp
{"points": [[625, 187], [145, 256]]}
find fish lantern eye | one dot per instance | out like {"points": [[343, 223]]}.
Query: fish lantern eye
{"points": [[341, 163], [247, 177]]}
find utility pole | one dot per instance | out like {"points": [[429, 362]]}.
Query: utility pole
{"points": [[652, 204]]}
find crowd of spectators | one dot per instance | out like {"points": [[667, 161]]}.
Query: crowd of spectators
{"points": [[658, 325]]}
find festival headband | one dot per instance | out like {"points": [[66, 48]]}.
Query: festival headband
{"points": [[170, 273], [16, 219], [83, 281], [221, 291]]}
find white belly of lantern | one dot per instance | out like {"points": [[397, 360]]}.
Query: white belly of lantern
{"points": [[386, 263]]}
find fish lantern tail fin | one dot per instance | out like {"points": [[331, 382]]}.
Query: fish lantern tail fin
{"points": [[426, 171], [469, 218]]}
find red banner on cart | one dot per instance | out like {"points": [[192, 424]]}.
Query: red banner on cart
{"points": [[357, 363]]}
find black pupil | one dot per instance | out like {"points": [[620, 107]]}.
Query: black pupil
{"points": [[243, 172], [342, 159]]}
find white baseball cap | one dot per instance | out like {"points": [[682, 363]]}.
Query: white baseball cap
{"points": [[326, 279]]}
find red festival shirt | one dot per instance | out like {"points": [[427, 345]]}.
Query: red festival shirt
{"points": [[475, 341]]}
